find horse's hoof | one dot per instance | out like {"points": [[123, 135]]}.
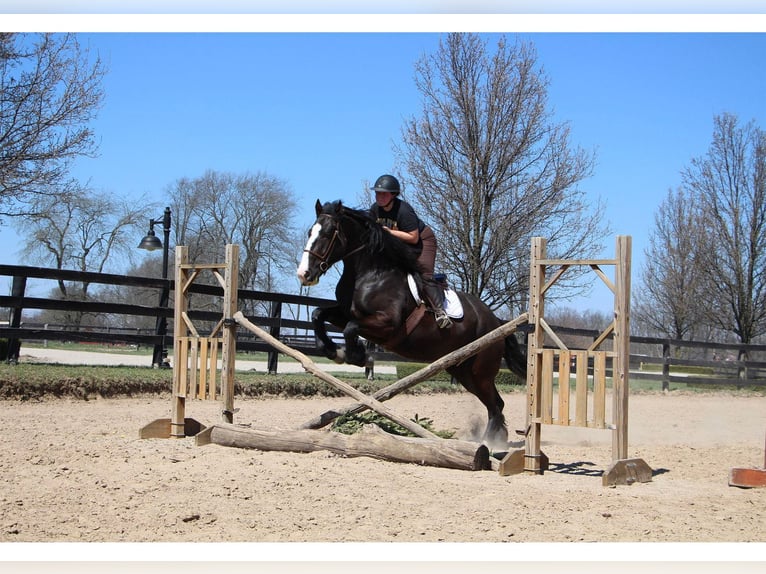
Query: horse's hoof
{"points": [[340, 356]]}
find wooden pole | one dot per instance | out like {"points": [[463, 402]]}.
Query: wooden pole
{"points": [[311, 367], [178, 409], [533, 457], [371, 441], [622, 470], [453, 358], [620, 376], [229, 345]]}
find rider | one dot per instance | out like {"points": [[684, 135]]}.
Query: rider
{"points": [[400, 220]]}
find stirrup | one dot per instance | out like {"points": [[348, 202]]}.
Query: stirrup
{"points": [[442, 319]]}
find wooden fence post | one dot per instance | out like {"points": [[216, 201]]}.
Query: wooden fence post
{"points": [[666, 366], [14, 345], [276, 314]]}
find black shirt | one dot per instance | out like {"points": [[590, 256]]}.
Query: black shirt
{"points": [[401, 217]]}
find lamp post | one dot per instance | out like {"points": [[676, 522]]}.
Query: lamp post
{"points": [[151, 242]]}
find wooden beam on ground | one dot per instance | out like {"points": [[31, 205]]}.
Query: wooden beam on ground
{"points": [[626, 472], [749, 477], [342, 386], [371, 442], [455, 357]]}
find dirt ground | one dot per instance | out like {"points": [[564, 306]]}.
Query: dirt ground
{"points": [[76, 471]]}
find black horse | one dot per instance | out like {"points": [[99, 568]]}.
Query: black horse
{"points": [[375, 302]]}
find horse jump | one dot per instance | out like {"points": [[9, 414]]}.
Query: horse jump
{"points": [[200, 381], [195, 376], [572, 410], [195, 364]]}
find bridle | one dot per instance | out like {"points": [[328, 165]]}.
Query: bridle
{"points": [[324, 258]]}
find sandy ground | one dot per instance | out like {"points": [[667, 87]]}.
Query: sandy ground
{"points": [[76, 471]]}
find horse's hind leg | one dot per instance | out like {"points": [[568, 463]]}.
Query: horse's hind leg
{"points": [[479, 379], [496, 433]]}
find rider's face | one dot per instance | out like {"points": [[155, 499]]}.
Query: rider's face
{"points": [[384, 198]]}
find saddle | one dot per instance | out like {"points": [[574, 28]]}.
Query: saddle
{"points": [[452, 305]]}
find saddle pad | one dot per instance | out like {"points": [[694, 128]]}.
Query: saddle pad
{"points": [[452, 304]]}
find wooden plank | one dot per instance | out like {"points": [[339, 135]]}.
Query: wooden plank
{"points": [[190, 277], [559, 343], [193, 365], [581, 389], [547, 383], [217, 328], [201, 266], [550, 262], [221, 280], [189, 324], [204, 346], [183, 365], [213, 368], [565, 358], [602, 337], [553, 279], [599, 389], [603, 276]]}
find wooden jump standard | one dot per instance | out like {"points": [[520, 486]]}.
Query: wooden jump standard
{"points": [[195, 357], [540, 371]]}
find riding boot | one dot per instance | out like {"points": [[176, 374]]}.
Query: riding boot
{"points": [[435, 295]]}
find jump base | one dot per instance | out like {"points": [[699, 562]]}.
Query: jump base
{"points": [[161, 428]]}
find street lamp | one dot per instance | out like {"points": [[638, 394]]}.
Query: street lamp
{"points": [[151, 242]]}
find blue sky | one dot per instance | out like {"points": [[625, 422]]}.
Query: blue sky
{"points": [[322, 110]]}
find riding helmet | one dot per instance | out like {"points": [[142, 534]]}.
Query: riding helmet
{"points": [[387, 183]]}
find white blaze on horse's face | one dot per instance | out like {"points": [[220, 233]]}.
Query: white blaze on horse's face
{"points": [[303, 268]]}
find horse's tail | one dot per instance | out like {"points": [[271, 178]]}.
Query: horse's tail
{"points": [[515, 358]]}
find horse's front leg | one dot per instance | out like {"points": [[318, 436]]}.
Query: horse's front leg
{"points": [[356, 352], [319, 317]]}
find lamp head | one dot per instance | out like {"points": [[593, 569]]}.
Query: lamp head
{"points": [[150, 242]]}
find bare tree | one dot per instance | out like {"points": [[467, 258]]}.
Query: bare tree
{"points": [[671, 300], [81, 230], [730, 184], [49, 91], [252, 210], [489, 168]]}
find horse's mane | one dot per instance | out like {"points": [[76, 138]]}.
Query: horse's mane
{"points": [[389, 251]]}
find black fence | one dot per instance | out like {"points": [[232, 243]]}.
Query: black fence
{"points": [[667, 361], [17, 329]]}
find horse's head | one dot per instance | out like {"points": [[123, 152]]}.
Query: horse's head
{"points": [[327, 243]]}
